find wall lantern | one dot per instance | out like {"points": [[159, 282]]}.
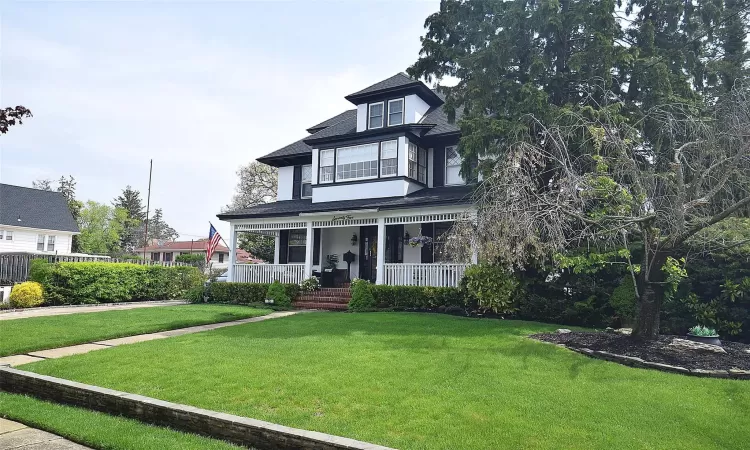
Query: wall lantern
{"points": [[354, 239], [407, 236]]}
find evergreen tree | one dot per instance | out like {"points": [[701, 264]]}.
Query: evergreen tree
{"points": [[130, 202]]}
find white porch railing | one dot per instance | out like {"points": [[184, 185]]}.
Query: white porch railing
{"points": [[268, 273], [436, 275]]}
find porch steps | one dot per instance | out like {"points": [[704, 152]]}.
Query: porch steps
{"points": [[325, 298]]}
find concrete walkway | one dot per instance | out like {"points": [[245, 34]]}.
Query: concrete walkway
{"points": [[76, 309], [14, 435], [17, 360]]}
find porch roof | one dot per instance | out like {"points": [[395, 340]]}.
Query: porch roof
{"points": [[440, 196]]}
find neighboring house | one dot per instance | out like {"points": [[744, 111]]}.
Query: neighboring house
{"points": [[32, 220], [168, 251], [364, 182]]}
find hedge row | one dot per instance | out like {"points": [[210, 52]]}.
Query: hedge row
{"points": [[245, 293], [369, 297], [70, 283]]}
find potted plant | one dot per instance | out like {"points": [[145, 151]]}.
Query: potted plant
{"points": [[704, 335], [420, 241]]}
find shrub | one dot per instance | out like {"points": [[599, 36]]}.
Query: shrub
{"points": [[26, 295], [702, 331], [362, 298], [310, 285], [190, 258], [418, 297], [40, 271], [100, 282], [277, 293], [624, 301], [494, 287], [195, 294], [245, 293]]}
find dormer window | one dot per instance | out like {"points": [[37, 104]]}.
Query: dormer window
{"points": [[395, 112], [375, 115]]}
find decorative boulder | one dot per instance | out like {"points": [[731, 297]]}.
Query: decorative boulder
{"points": [[684, 344], [563, 331]]}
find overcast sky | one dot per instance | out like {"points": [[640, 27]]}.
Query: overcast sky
{"points": [[200, 87]]}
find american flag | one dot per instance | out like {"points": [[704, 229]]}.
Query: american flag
{"points": [[213, 241]]}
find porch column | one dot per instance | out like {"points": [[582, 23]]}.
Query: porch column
{"points": [[232, 251], [309, 251], [276, 248], [380, 276]]}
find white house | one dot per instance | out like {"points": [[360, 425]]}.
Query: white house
{"points": [[32, 220], [358, 187]]}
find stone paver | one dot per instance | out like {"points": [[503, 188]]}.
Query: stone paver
{"points": [[17, 360], [63, 310], [14, 435]]}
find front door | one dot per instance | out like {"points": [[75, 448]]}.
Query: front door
{"points": [[368, 252]]}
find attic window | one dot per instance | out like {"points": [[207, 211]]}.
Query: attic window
{"points": [[375, 115], [395, 112]]}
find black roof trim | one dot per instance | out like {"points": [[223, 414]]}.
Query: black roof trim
{"points": [[419, 127]]}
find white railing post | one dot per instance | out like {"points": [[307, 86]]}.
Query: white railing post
{"points": [[232, 252], [308, 251], [380, 261]]}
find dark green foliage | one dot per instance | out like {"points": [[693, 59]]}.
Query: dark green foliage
{"points": [[94, 282], [245, 293], [194, 259], [277, 294], [261, 247], [624, 301], [362, 298], [40, 271], [195, 294], [494, 287]]}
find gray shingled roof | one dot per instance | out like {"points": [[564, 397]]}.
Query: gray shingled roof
{"points": [[448, 195], [36, 209], [296, 148], [398, 80], [333, 120]]}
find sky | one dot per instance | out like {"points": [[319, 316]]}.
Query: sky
{"points": [[199, 87]]}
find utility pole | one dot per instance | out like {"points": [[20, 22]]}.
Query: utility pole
{"points": [[148, 205]]}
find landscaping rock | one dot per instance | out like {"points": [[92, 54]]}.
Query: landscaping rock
{"points": [[609, 330], [563, 331], [741, 374], [624, 331], [684, 344]]}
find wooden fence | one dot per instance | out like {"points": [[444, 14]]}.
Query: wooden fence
{"points": [[14, 267]]}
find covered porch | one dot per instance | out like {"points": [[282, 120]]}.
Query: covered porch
{"points": [[344, 245]]}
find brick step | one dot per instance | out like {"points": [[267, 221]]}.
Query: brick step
{"points": [[338, 290], [321, 299], [321, 305], [324, 294]]}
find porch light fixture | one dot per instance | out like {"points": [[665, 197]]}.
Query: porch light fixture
{"points": [[354, 239], [407, 236]]}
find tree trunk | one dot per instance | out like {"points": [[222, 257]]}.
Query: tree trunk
{"points": [[651, 296]]}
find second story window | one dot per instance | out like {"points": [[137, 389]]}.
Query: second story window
{"points": [[389, 158], [375, 115], [360, 161], [395, 112], [326, 166], [40, 242], [306, 187], [50, 243], [8, 235], [452, 166]]}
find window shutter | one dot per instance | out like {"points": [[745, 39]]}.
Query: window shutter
{"points": [[297, 182], [428, 229], [283, 246], [316, 246], [438, 167]]}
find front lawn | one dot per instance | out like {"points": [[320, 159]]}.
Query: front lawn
{"points": [[100, 430], [19, 336], [414, 381]]}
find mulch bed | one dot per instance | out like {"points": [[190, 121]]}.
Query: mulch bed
{"points": [[657, 351]]}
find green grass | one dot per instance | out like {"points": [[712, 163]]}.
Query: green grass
{"points": [[414, 381], [99, 430], [19, 336]]}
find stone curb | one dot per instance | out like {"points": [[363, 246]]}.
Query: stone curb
{"points": [[228, 427], [640, 363]]}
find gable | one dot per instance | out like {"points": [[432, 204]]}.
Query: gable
{"points": [[35, 208]]}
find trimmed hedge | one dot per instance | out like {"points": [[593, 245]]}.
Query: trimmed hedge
{"points": [[245, 293], [70, 283], [409, 298]]}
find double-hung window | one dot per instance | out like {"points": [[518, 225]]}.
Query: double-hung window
{"points": [[326, 166], [358, 162], [438, 244], [297, 243], [8, 235], [50, 243], [422, 166], [156, 256], [306, 186], [40, 242], [413, 160], [453, 166], [389, 158], [375, 115], [395, 112]]}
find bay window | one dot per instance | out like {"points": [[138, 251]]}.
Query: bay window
{"points": [[452, 166], [326, 166], [395, 112], [375, 115], [358, 162], [389, 159]]}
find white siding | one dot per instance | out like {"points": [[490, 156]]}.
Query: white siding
{"points": [[25, 239], [412, 254], [415, 108], [286, 180], [371, 189], [339, 241], [361, 117]]}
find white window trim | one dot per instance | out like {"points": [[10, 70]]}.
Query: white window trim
{"points": [[381, 159], [403, 113], [369, 115], [44, 242], [445, 162], [9, 237], [302, 182], [336, 166]]}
